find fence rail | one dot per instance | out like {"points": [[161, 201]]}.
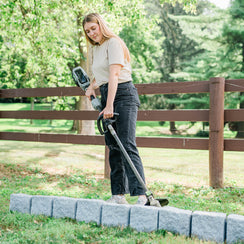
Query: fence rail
{"points": [[143, 89], [215, 115], [143, 115]]}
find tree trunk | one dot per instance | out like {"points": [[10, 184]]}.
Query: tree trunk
{"points": [[84, 127], [240, 125], [173, 128], [87, 127], [75, 126]]}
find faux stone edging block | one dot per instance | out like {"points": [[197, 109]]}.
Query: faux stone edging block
{"points": [[89, 210], [42, 205], [209, 226], [175, 220], [235, 228], [143, 218], [20, 203], [115, 214], [64, 207]]}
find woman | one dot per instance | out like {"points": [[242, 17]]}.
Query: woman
{"points": [[112, 74]]}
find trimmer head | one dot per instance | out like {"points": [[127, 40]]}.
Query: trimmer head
{"points": [[155, 202], [158, 202]]}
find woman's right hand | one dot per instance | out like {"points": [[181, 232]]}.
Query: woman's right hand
{"points": [[90, 92]]}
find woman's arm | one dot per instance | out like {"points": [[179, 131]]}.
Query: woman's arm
{"points": [[114, 71]]}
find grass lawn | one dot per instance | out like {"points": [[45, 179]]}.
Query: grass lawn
{"points": [[77, 171]]}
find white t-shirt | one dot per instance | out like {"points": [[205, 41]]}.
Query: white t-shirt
{"points": [[110, 52]]}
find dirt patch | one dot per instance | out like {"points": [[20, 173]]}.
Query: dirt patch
{"points": [[16, 170], [9, 170], [52, 154]]}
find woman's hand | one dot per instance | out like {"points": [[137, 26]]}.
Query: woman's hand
{"points": [[91, 91], [108, 112]]}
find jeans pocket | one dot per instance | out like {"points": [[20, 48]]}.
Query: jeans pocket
{"points": [[127, 93]]}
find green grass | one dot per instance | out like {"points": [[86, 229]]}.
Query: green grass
{"points": [[77, 171], [39, 229]]}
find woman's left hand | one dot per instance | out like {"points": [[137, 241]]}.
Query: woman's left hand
{"points": [[107, 112]]}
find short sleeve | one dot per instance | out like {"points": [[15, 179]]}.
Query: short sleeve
{"points": [[115, 52]]}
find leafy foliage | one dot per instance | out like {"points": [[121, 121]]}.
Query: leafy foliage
{"points": [[41, 40]]}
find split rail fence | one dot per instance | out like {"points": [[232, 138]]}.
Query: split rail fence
{"points": [[216, 115]]}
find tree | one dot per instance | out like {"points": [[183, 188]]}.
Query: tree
{"points": [[233, 37], [144, 49], [221, 36], [177, 49]]}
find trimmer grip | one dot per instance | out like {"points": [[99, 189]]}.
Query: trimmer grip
{"points": [[100, 127], [105, 122], [96, 103]]}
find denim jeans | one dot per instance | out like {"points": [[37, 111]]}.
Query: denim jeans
{"points": [[126, 103]]}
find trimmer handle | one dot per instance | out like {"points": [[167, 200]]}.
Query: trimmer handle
{"points": [[82, 80], [96, 103], [105, 122]]}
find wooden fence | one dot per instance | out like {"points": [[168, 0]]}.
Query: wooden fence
{"points": [[215, 115]]}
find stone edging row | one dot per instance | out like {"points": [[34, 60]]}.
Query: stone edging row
{"points": [[211, 226]]}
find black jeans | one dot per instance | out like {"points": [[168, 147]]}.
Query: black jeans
{"points": [[126, 103]]}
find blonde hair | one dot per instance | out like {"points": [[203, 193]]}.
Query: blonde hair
{"points": [[106, 32]]}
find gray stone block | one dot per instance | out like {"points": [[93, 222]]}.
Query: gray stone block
{"points": [[89, 210], [235, 229], [175, 220], [42, 205], [64, 207], [144, 218], [20, 203], [115, 214], [209, 226]]}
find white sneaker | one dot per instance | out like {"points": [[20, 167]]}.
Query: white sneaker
{"points": [[117, 199], [142, 200]]}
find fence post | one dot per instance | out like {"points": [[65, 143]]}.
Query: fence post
{"points": [[106, 164], [216, 131]]}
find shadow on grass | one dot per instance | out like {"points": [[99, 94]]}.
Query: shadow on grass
{"points": [[172, 170]]}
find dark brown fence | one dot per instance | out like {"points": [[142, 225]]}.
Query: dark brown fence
{"points": [[215, 115]]}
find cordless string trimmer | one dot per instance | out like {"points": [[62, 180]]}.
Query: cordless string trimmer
{"points": [[82, 80]]}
